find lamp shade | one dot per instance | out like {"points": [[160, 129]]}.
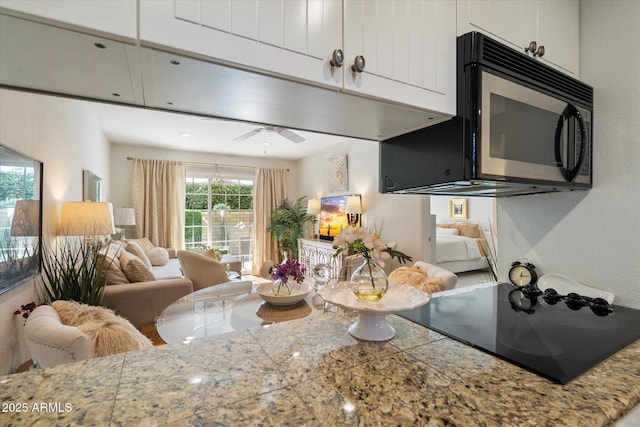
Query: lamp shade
{"points": [[124, 216], [26, 218], [85, 219], [313, 207], [353, 205]]}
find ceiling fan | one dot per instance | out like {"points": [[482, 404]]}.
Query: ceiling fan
{"points": [[286, 133]]}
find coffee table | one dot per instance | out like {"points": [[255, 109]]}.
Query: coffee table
{"points": [[226, 308]]}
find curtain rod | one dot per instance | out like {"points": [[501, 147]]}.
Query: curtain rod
{"points": [[213, 164]]}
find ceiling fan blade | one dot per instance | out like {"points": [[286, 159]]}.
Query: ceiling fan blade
{"points": [[248, 134], [291, 136]]}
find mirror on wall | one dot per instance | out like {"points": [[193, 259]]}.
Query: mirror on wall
{"points": [[91, 187], [20, 217]]}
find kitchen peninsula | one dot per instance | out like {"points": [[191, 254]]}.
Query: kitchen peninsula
{"points": [[311, 372]]}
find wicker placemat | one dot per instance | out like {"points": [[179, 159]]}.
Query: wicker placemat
{"points": [[281, 313]]}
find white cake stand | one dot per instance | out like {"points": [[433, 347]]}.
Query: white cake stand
{"points": [[371, 324]]}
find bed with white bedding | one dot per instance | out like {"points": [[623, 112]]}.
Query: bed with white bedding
{"points": [[459, 247]]}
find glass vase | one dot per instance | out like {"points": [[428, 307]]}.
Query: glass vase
{"points": [[369, 282], [282, 289]]}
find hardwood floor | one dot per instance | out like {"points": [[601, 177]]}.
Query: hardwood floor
{"points": [[151, 332]]}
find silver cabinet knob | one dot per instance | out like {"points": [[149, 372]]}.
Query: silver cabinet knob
{"points": [[358, 64], [337, 58], [540, 52], [533, 46]]}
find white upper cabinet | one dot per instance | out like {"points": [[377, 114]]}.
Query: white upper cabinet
{"points": [[408, 49], [552, 25], [108, 17], [285, 37]]}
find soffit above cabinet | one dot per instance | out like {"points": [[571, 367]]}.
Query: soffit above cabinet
{"points": [[177, 83], [45, 58]]}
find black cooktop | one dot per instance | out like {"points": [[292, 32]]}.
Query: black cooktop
{"points": [[554, 339]]}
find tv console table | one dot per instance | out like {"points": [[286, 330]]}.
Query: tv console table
{"points": [[312, 252]]}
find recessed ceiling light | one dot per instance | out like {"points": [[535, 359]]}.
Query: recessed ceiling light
{"points": [[184, 134]]}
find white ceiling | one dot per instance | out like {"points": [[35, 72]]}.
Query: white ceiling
{"points": [[145, 127]]}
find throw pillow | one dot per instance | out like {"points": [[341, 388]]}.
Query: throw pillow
{"points": [[114, 336], [144, 243], [109, 259], [73, 313], [135, 249], [158, 256], [414, 276], [134, 269], [211, 254]]}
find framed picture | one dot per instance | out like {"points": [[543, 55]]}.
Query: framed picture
{"points": [[333, 216], [91, 187], [458, 208], [337, 175]]}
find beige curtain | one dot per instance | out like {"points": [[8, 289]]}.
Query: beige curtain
{"points": [[268, 193], [158, 192]]}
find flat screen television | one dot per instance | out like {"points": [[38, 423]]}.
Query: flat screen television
{"points": [[333, 216]]}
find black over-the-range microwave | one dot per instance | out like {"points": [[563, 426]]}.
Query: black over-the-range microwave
{"points": [[521, 127]]}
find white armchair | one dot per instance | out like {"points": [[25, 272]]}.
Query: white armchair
{"points": [[203, 271], [51, 342], [67, 331]]}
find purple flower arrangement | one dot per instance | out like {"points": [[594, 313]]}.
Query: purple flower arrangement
{"points": [[289, 268]]}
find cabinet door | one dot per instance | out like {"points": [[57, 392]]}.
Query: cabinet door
{"points": [[516, 23], [115, 17], [559, 33], [512, 22], [409, 49], [293, 38]]}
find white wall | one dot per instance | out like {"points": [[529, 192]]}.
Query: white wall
{"points": [[64, 136], [404, 218], [480, 210], [593, 236]]}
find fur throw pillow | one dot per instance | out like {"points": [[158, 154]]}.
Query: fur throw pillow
{"points": [[109, 332], [73, 313], [134, 269], [415, 277], [137, 250], [158, 256], [114, 336]]}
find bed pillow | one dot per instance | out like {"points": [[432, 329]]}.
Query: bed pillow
{"points": [[447, 231]]}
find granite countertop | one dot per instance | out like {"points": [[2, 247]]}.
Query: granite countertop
{"points": [[312, 372]]}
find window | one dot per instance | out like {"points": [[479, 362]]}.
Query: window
{"points": [[219, 210]]}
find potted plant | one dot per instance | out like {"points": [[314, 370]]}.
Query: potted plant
{"points": [[287, 224], [74, 269]]}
